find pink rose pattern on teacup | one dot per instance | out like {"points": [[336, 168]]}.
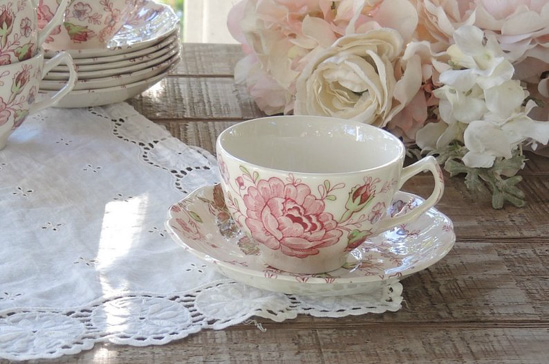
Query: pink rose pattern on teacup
{"points": [[79, 14], [290, 217], [194, 220], [15, 43], [84, 13], [16, 105], [45, 15]]}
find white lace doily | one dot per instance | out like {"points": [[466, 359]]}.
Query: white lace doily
{"points": [[84, 195]]}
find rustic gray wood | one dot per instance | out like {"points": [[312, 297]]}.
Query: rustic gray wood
{"points": [[486, 302]]}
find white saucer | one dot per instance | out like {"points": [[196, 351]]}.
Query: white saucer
{"points": [[200, 224], [125, 67], [109, 95], [103, 61], [116, 80], [93, 70]]}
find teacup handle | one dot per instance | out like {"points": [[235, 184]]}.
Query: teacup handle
{"points": [[426, 164], [62, 57], [55, 21]]}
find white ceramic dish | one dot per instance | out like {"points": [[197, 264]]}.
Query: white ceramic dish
{"points": [[151, 24], [114, 81], [105, 60], [106, 96], [200, 224], [125, 67]]}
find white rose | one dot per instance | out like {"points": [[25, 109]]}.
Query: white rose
{"points": [[355, 79]]}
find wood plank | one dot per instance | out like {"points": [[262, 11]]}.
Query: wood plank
{"points": [[476, 285], [437, 344], [197, 133], [474, 218], [374, 343], [197, 99], [536, 165], [209, 60]]}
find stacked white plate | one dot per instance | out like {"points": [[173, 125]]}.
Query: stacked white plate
{"points": [[138, 56]]}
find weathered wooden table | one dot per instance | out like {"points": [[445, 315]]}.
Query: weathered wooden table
{"points": [[487, 301]]}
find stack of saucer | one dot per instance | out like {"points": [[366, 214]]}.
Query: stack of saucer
{"points": [[138, 56]]}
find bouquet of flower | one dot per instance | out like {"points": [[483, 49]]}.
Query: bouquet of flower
{"points": [[465, 80]]}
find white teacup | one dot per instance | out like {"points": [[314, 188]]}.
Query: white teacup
{"points": [[19, 84], [20, 36], [310, 189]]}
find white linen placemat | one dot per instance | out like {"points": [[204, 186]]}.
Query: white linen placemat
{"points": [[84, 256]]}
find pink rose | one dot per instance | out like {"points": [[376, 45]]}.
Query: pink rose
{"points": [[189, 229], [439, 19], [422, 78], [281, 36], [240, 182], [4, 112], [79, 34], [44, 15], [521, 27], [288, 217], [5, 59]]}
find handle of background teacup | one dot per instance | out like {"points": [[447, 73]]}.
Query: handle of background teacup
{"points": [[426, 164], [62, 57], [55, 21]]}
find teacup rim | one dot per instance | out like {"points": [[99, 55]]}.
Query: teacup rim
{"points": [[396, 159]]}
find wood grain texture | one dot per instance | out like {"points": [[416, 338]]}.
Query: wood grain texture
{"points": [[196, 98], [208, 60], [373, 343], [474, 218], [486, 302], [198, 133]]}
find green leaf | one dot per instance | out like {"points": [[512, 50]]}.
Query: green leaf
{"points": [[499, 181], [455, 167], [245, 171], [195, 216], [256, 176], [327, 185], [331, 197]]}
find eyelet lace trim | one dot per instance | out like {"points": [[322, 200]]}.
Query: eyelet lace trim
{"points": [[68, 322], [142, 319]]}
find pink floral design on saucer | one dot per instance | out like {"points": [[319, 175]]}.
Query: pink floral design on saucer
{"points": [[388, 257]]}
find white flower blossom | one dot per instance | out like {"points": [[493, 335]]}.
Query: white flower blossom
{"points": [[481, 105], [482, 59]]}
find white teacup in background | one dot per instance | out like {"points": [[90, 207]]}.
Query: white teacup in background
{"points": [[310, 189], [87, 24], [20, 36], [19, 83]]}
